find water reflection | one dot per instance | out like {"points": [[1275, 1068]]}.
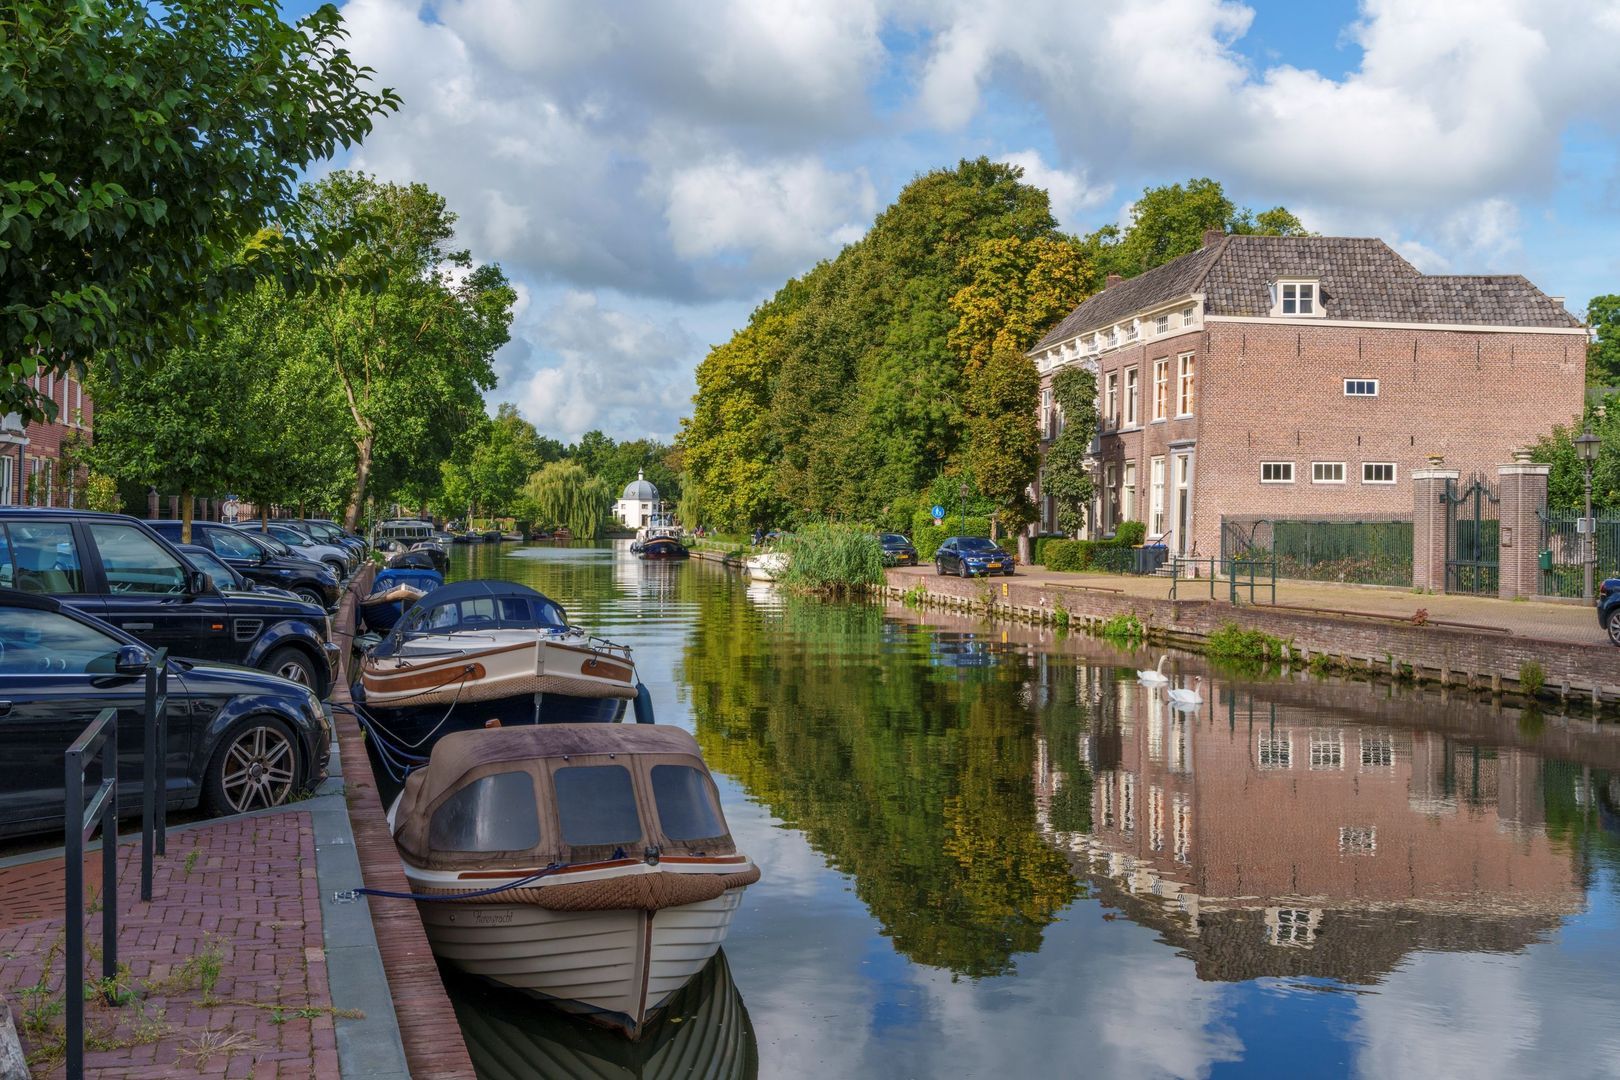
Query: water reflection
{"points": [[988, 851], [704, 1032]]}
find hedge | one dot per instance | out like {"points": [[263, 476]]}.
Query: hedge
{"points": [[1115, 556], [926, 536]]}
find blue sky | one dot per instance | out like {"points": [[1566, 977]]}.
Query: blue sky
{"points": [[649, 170]]}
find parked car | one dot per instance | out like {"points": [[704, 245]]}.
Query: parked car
{"points": [[224, 577], [305, 546], [897, 550], [1608, 604], [125, 573], [260, 559], [329, 533], [968, 555], [238, 740]]}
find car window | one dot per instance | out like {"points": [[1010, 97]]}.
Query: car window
{"points": [[134, 563], [686, 810], [269, 540], [596, 805], [227, 543], [8, 571], [291, 537], [493, 813], [46, 558], [217, 571], [35, 641], [977, 543], [894, 538]]}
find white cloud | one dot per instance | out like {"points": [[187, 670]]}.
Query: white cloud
{"points": [[1069, 191]]}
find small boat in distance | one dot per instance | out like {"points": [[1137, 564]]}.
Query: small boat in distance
{"points": [[486, 653], [589, 866], [661, 539], [767, 566]]}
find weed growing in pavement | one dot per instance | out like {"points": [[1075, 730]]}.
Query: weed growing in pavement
{"points": [[211, 1044], [191, 859]]}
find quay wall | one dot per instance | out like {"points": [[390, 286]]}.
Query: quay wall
{"points": [[1448, 655]]}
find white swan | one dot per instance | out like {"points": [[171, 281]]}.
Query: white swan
{"points": [[1155, 676], [1182, 696]]}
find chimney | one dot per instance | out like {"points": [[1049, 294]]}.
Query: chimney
{"points": [[1212, 236], [1113, 279]]}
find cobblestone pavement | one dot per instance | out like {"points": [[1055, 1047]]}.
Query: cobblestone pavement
{"points": [[1552, 622], [226, 965]]}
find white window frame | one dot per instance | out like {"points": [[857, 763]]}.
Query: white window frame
{"points": [[1390, 465], [1300, 293], [1360, 385], [1186, 384], [1133, 390], [1111, 398], [1127, 499], [1289, 465], [1316, 475], [1189, 315], [1156, 508], [1161, 324], [1161, 382], [1110, 509], [1133, 330]]}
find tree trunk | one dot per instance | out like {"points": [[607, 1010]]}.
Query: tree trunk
{"points": [[1023, 547], [187, 508], [362, 472]]}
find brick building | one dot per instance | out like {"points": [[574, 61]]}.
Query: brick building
{"points": [[1304, 377], [31, 468]]}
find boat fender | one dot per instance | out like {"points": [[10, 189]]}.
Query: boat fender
{"points": [[644, 706]]}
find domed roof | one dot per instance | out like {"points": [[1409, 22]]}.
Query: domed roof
{"points": [[639, 490]]}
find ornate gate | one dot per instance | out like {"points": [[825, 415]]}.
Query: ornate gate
{"points": [[1472, 536]]}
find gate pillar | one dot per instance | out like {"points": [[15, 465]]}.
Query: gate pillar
{"points": [[1524, 497], [1429, 516]]}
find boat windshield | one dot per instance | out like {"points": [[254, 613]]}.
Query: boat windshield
{"points": [[493, 813], [596, 805], [484, 613], [686, 808]]}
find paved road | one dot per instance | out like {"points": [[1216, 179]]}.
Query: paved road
{"points": [[1552, 622]]}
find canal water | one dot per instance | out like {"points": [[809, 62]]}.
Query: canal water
{"points": [[989, 852]]}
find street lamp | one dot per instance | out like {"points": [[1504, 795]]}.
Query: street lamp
{"points": [[1586, 448], [962, 494]]}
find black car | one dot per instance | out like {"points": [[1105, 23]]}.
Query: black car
{"points": [[225, 579], [258, 560], [897, 550], [117, 569], [238, 740], [1608, 603], [968, 555], [330, 533]]}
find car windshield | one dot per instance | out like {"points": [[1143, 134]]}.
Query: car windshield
{"points": [[291, 537], [977, 544], [895, 538], [269, 541]]}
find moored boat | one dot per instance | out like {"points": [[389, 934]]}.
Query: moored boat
{"points": [[393, 593], [659, 540], [479, 652], [590, 866], [767, 566]]}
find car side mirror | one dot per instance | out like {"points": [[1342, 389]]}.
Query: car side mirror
{"points": [[132, 660], [198, 582]]}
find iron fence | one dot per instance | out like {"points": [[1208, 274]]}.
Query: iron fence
{"points": [[99, 740], [1358, 550], [1563, 551], [1234, 577]]}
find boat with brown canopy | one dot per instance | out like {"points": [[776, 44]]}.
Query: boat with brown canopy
{"points": [[587, 864]]}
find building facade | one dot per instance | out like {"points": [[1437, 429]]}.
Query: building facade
{"points": [[1304, 378], [32, 468], [640, 505]]}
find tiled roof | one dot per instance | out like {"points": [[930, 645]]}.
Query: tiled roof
{"points": [[1362, 280]]}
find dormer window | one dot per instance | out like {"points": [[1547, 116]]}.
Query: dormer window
{"points": [[1296, 298], [1161, 325]]}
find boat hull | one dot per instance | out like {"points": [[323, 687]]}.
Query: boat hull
{"points": [[532, 665], [767, 567], [411, 724], [617, 968], [662, 547]]}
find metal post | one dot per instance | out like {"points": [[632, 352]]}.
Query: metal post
{"points": [[101, 737], [1591, 537], [73, 915]]}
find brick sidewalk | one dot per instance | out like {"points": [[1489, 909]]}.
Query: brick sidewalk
{"points": [[1574, 623], [226, 963]]}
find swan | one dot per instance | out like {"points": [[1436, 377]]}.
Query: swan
{"points": [[1155, 676], [1183, 696]]}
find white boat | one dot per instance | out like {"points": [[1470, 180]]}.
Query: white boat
{"points": [[766, 566], [616, 875], [478, 653]]}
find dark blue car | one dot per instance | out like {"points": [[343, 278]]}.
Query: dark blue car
{"points": [[968, 555], [1608, 603], [238, 740]]}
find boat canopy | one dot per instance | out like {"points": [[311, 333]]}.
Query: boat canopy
{"points": [[560, 793], [483, 605]]}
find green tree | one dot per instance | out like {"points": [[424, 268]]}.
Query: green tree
{"points": [[565, 493], [1065, 475], [1169, 221], [143, 143], [1603, 354], [407, 325], [1566, 485], [1003, 438]]}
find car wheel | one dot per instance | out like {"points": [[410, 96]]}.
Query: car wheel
{"points": [[963, 570], [341, 569], [1009, 571], [293, 665], [255, 767], [1612, 625], [939, 567], [310, 596]]}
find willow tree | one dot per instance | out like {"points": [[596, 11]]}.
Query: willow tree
{"points": [[563, 493]]}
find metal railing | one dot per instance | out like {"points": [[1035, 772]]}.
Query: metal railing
{"points": [[100, 739], [1234, 575], [155, 772]]}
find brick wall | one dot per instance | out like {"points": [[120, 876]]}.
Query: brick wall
{"points": [[75, 414]]}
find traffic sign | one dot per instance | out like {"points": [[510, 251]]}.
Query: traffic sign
{"points": [[939, 513]]}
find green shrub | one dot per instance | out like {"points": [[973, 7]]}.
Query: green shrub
{"points": [[1130, 534], [1123, 630], [1532, 677], [833, 559], [1060, 616], [1232, 642]]}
